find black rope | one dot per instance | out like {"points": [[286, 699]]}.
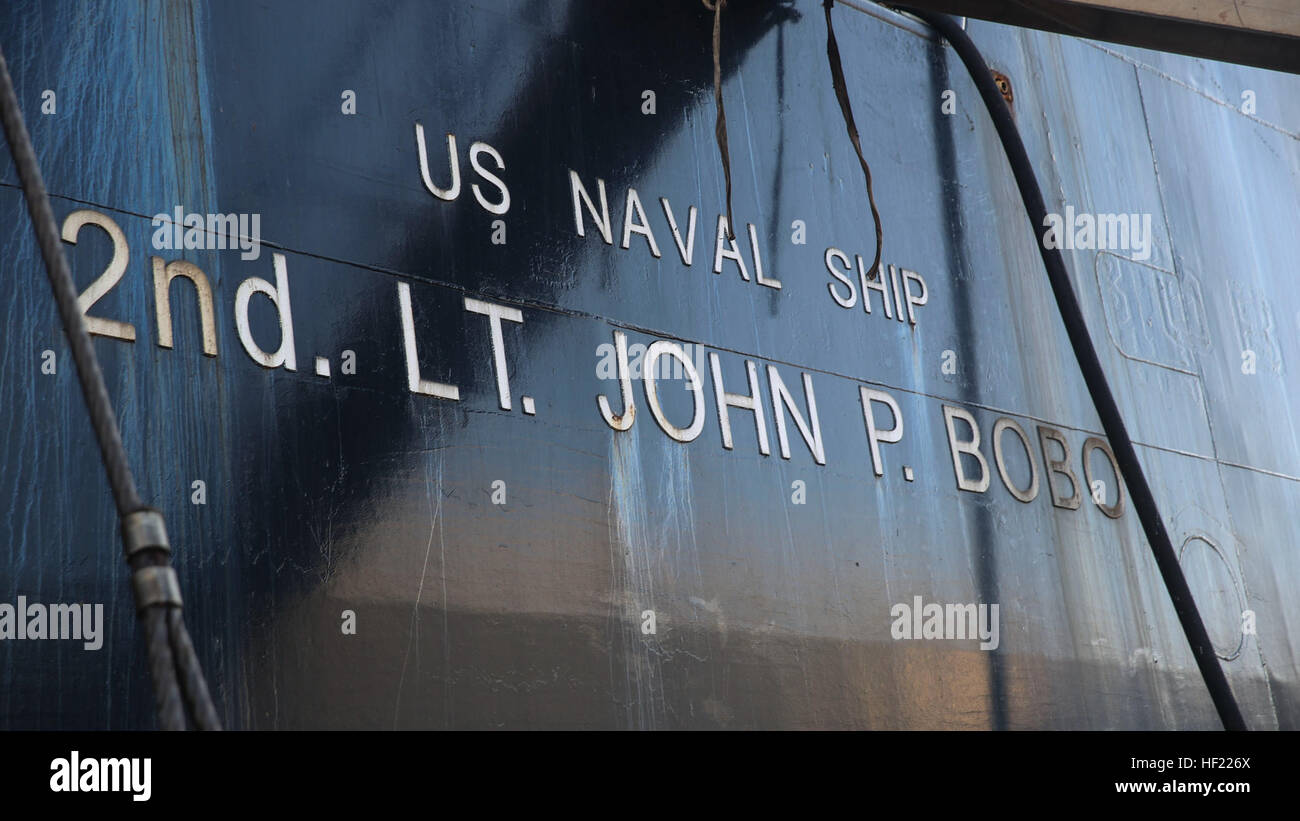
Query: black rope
{"points": [[842, 94], [171, 655], [720, 128], [1094, 376]]}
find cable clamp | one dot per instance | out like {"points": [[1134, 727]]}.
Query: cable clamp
{"points": [[144, 529], [156, 585]]}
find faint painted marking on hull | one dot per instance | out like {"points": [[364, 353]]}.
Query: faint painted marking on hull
{"points": [[1150, 317]]}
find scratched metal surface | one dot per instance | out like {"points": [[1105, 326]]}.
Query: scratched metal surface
{"points": [[352, 493]]}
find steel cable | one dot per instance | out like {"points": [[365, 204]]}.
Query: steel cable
{"points": [[842, 95], [720, 127], [178, 682]]}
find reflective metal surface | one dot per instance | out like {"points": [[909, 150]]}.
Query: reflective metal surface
{"points": [[1264, 33], [424, 410]]}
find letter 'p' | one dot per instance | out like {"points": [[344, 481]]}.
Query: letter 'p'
{"points": [[874, 435]]}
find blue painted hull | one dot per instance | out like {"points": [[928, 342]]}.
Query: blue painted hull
{"points": [[499, 565]]}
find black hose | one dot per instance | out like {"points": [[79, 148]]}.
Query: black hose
{"points": [[1095, 378], [173, 666]]}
